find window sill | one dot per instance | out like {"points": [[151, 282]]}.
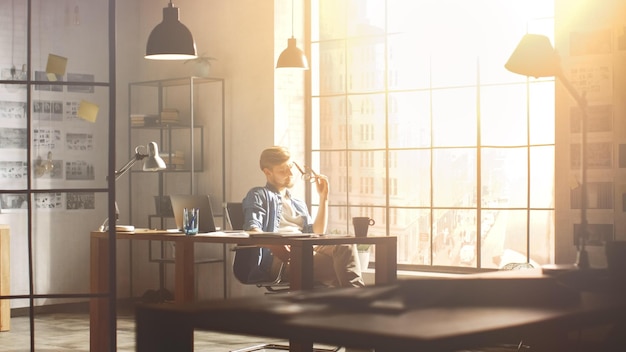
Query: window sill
{"points": [[368, 275]]}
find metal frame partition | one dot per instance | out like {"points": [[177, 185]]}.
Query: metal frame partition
{"points": [[26, 81]]}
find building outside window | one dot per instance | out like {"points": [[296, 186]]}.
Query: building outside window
{"points": [[418, 125]]}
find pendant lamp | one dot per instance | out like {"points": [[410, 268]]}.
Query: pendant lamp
{"points": [[170, 39], [292, 56]]}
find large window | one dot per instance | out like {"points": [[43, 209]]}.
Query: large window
{"points": [[418, 125]]}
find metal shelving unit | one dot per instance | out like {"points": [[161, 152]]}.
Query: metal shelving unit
{"points": [[200, 105]]}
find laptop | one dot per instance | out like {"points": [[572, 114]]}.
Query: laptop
{"points": [[202, 202]]}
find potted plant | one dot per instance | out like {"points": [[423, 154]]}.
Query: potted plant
{"points": [[202, 65], [364, 255]]}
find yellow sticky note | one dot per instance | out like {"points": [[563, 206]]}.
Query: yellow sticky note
{"points": [[573, 182], [56, 65], [88, 111]]}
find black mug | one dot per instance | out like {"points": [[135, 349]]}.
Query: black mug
{"points": [[361, 225]]}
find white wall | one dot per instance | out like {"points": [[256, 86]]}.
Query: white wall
{"points": [[240, 34]]}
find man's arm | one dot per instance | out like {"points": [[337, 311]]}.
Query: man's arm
{"points": [[321, 219], [253, 209]]}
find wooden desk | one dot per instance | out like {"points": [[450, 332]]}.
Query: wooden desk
{"points": [[301, 274], [5, 278], [432, 327]]}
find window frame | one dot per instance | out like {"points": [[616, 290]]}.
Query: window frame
{"points": [[392, 129]]}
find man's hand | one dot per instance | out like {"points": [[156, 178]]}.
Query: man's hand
{"points": [[321, 183]]}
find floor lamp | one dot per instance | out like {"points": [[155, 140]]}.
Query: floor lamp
{"points": [[153, 162], [535, 56]]}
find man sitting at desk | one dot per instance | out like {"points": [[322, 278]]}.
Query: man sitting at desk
{"points": [[273, 209]]}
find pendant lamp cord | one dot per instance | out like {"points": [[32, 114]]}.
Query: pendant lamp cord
{"points": [[13, 70], [292, 13]]}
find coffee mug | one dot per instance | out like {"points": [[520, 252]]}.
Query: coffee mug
{"points": [[190, 220], [361, 225]]}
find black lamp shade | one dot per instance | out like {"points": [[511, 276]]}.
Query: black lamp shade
{"points": [[170, 39], [292, 56]]}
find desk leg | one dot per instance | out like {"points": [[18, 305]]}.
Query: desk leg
{"points": [[386, 262], [99, 307], [301, 267], [162, 331], [300, 346], [301, 278], [184, 275]]}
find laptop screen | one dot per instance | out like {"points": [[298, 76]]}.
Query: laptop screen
{"points": [[202, 202]]}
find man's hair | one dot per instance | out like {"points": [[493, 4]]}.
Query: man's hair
{"points": [[273, 156]]}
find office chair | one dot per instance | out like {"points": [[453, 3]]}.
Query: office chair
{"points": [[252, 265], [234, 215]]}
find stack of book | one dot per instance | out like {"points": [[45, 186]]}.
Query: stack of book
{"points": [[169, 116], [174, 160], [140, 120]]}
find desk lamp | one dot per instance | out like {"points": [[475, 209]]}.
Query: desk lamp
{"points": [[152, 163], [535, 56]]}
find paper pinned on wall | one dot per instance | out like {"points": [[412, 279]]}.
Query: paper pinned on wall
{"points": [[88, 111], [56, 66]]}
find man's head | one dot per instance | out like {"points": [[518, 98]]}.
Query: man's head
{"points": [[275, 162]]}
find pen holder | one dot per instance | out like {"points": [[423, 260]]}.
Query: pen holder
{"points": [[190, 220]]}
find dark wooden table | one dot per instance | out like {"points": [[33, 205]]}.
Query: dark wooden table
{"points": [[445, 321]]}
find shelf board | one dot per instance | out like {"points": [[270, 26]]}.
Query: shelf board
{"points": [[164, 126], [167, 171], [181, 81]]}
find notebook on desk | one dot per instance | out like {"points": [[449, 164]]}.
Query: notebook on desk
{"points": [[202, 202]]}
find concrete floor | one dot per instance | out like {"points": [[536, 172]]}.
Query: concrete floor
{"points": [[70, 332]]}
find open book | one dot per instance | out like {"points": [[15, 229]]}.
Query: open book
{"points": [[224, 234]]}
